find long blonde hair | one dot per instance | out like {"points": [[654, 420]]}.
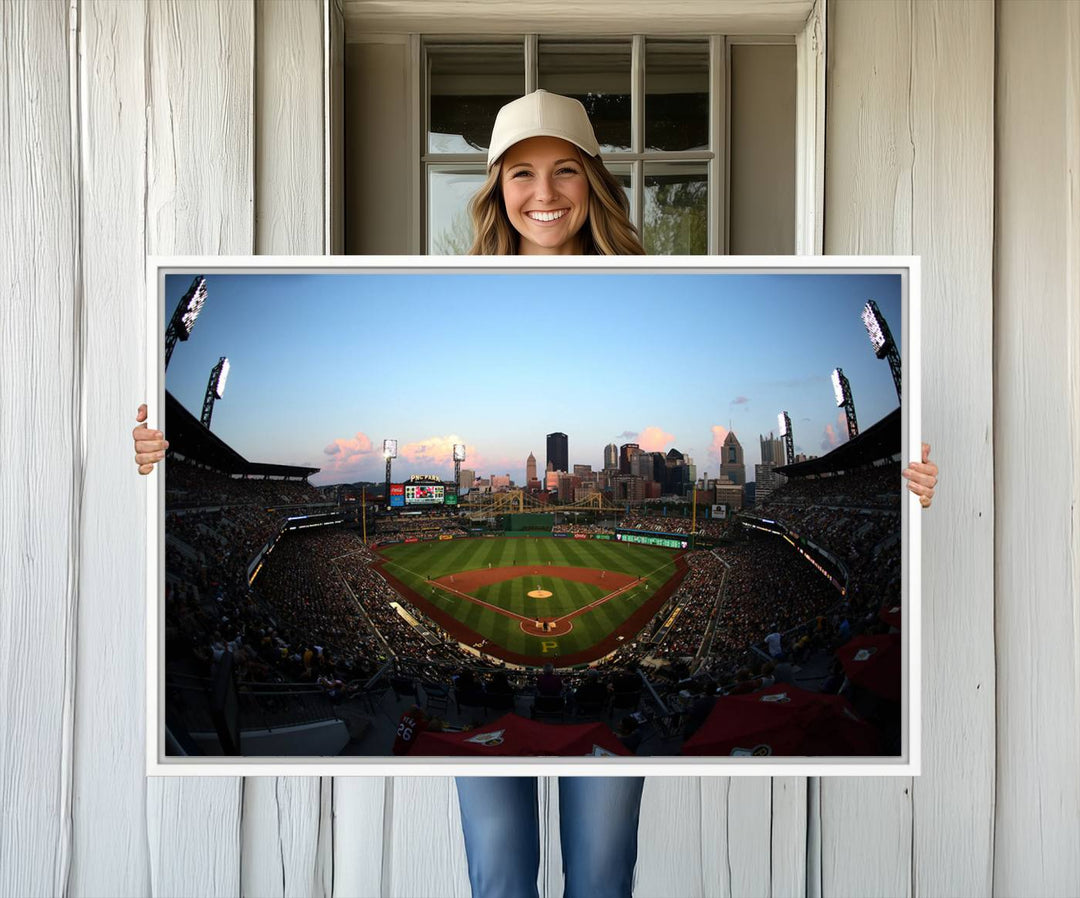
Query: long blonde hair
{"points": [[608, 230]]}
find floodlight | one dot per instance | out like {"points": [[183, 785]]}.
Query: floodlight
{"points": [[459, 452], [876, 328], [786, 436], [215, 389], [844, 400], [192, 304], [223, 375], [389, 448], [838, 387], [183, 319], [882, 341]]}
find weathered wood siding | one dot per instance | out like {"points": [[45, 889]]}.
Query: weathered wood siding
{"points": [[909, 150], [953, 132]]}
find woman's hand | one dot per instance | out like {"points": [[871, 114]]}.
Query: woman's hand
{"points": [[922, 477], [150, 445]]}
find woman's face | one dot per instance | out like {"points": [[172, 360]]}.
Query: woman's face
{"points": [[546, 195]]}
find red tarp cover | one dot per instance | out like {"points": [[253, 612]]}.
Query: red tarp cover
{"points": [[783, 720], [873, 662], [518, 736]]}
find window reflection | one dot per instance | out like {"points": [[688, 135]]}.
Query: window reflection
{"points": [[676, 95], [598, 75], [449, 191], [676, 209], [467, 85]]}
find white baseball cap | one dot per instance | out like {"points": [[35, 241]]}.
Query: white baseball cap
{"points": [[541, 114]]}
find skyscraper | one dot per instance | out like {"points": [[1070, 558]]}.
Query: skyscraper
{"points": [[732, 463], [772, 450], [530, 468], [627, 452], [611, 457], [558, 455]]}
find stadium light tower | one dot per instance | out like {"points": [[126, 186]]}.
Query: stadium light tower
{"points": [[783, 421], [215, 389], [389, 451], [183, 319], [459, 457], [842, 391], [882, 341]]}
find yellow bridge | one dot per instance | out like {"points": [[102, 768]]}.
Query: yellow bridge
{"points": [[518, 501]]}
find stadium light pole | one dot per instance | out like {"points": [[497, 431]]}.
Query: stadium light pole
{"points": [[877, 328], [842, 391], [459, 457], [783, 421], [183, 319], [389, 451], [215, 389]]}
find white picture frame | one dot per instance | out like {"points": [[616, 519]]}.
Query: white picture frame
{"points": [[907, 763]]}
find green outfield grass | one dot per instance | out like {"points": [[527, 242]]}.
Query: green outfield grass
{"points": [[414, 563]]}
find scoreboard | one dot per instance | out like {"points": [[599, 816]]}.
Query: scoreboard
{"points": [[422, 494]]}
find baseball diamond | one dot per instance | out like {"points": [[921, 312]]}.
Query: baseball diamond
{"points": [[533, 599]]}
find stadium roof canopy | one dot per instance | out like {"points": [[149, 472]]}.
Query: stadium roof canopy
{"points": [[880, 440], [188, 437]]}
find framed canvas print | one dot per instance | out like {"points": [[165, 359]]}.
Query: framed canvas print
{"points": [[502, 516]]}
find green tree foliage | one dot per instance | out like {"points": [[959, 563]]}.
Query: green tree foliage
{"points": [[676, 217]]}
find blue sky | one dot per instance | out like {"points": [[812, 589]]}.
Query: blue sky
{"points": [[324, 367]]}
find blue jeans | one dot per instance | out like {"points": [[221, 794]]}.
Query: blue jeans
{"points": [[598, 822]]}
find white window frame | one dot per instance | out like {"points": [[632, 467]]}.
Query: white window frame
{"points": [[809, 42]]}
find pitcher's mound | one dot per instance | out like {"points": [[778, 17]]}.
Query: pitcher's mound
{"points": [[540, 594]]}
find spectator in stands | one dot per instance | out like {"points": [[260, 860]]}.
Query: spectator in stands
{"points": [[773, 642], [700, 709], [549, 683]]}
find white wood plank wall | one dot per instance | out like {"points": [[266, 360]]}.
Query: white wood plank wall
{"points": [[953, 132], [1037, 363], [909, 169]]}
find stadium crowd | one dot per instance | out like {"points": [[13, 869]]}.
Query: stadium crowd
{"points": [[394, 527], [877, 486], [319, 613], [188, 486], [659, 523]]}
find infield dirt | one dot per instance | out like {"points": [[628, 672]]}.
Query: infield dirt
{"points": [[628, 629]]}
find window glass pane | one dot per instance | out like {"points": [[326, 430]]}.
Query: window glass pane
{"points": [[676, 95], [597, 74], [449, 191], [676, 208], [467, 84]]}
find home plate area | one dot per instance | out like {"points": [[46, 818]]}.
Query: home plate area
{"points": [[462, 583]]}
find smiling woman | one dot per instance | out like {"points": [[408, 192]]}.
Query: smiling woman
{"points": [[547, 190], [546, 195]]}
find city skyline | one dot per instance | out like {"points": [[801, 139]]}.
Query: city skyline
{"points": [[498, 361]]}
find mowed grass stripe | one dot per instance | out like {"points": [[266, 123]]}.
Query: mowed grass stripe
{"points": [[412, 562]]}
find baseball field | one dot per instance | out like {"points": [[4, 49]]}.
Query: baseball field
{"points": [[531, 599]]}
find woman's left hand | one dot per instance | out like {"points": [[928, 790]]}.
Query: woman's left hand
{"points": [[922, 477]]}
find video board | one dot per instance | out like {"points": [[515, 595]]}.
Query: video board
{"points": [[667, 540], [408, 494], [424, 493]]}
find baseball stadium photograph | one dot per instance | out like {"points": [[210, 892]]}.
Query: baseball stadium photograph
{"points": [[466, 513]]}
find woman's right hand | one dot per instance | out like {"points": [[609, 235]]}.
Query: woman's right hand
{"points": [[150, 445]]}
